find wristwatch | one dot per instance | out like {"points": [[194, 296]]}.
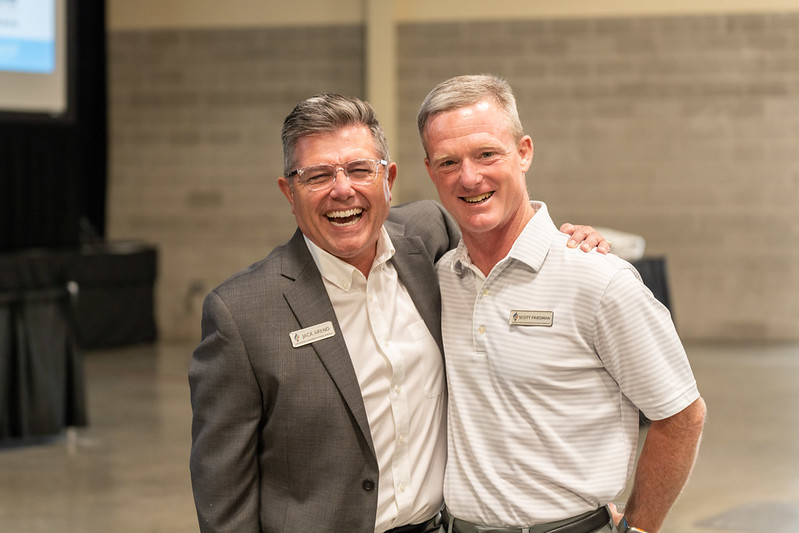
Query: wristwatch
{"points": [[626, 528]]}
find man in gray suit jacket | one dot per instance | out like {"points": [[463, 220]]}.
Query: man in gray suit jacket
{"points": [[318, 389]]}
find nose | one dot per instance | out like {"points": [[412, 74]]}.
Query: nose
{"points": [[470, 174], [342, 187]]}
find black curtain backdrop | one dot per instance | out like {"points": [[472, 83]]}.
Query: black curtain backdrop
{"points": [[53, 170]]}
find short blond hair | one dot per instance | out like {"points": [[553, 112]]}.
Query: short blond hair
{"points": [[463, 91]]}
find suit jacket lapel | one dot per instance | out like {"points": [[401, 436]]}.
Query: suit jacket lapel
{"points": [[419, 276], [308, 300]]}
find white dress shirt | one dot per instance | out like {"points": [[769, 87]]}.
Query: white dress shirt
{"points": [[401, 374]]}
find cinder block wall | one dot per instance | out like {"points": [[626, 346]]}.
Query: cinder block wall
{"points": [[681, 129]]}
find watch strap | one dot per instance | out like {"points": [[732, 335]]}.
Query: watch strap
{"points": [[627, 528]]}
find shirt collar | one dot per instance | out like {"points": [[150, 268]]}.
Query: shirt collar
{"points": [[530, 248], [339, 272]]}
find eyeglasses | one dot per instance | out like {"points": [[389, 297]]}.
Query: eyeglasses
{"points": [[321, 177]]}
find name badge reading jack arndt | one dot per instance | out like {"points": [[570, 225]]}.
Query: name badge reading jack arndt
{"points": [[301, 337], [532, 318]]}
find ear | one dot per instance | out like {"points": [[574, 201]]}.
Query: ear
{"points": [[525, 148], [288, 192], [389, 181], [429, 170], [392, 174]]}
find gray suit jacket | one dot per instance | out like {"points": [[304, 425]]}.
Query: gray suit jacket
{"points": [[280, 437]]}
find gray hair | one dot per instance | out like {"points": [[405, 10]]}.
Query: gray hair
{"points": [[326, 113], [463, 91]]}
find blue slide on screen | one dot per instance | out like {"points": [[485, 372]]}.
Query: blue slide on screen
{"points": [[27, 36]]}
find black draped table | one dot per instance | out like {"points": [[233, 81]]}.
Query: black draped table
{"points": [[53, 303], [41, 378]]}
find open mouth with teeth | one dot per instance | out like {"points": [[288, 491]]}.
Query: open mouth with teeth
{"points": [[477, 199], [345, 218]]}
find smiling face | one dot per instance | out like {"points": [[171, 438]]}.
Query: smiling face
{"points": [[479, 170], [344, 220]]}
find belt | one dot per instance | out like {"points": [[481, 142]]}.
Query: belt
{"points": [[424, 527], [584, 523]]}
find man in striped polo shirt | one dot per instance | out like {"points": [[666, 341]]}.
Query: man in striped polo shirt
{"points": [[550, 353]]}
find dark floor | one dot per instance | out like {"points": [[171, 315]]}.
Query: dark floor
{"points": [[128, 470]]}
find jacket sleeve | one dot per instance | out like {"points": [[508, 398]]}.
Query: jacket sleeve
{"points": [[226, 406]]}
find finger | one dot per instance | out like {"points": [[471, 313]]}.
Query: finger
{"points": [[591, 240], [596, 240], [615, 512], [567, 228], [580, 234]]}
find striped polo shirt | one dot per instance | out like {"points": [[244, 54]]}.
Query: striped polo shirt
{"points": [[548, 360]]}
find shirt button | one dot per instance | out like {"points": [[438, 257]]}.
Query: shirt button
{"points": [[402, 487], [481, 330], [368, 485], [485, 292], [402, 438]]}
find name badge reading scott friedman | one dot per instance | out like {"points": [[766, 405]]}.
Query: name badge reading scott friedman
{"points": [[532, 318], [301, 337]]}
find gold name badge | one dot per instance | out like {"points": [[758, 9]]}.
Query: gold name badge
{"points": [[532, 318]]}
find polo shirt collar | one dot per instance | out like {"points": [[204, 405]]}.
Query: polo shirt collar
{"points": [[530, 248]]}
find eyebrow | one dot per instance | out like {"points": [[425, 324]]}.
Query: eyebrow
{"points": [[487, 147], [439, 159]]}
